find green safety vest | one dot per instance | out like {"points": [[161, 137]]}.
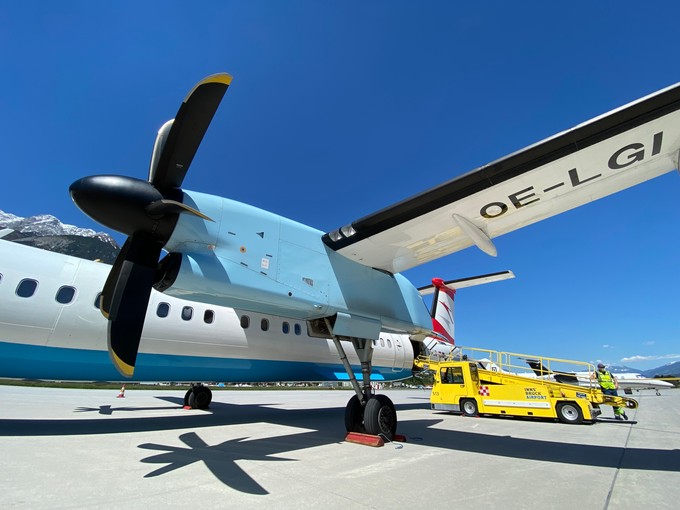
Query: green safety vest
{"points": [[606, 380]]}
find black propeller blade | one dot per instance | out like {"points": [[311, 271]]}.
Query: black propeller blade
{"points": [[191, 123], [146, 211], [129, 299]]}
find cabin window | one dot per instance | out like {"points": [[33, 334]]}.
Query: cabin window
{"points": [[375, 342], [264, 324], [65, 294], [245, 321], [298, 329], [98, 301], [187, 313], [389, 343], [0, 277], [163, 310], [26, 288], [382, 342], [285, 327], [208, 316]]}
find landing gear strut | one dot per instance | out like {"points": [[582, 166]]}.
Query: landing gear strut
{"points": [[198, 397], [366, 412]]}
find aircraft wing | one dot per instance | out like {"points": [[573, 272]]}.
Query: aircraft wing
{"points": [[614, 151]]}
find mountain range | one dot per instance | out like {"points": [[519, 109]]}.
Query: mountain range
{"points": [[669, 369], [47, 232]]}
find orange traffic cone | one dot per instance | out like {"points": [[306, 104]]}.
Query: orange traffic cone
{"points": [[122, 392]]}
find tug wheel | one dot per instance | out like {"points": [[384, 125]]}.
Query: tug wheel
{"points": [[469, 407], [569, 413]]}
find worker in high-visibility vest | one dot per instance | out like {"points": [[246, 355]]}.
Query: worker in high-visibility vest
{"points": [[609, 386]]}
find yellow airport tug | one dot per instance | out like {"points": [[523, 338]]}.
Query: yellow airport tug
{"points": [[498, 383]]}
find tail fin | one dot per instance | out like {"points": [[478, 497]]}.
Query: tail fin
{"points": [[537, 367], [541, 371], [441, 344], [443, 321]]}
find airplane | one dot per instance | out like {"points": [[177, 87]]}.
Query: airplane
{"points": [[628, 381], [443, 345], [55, 305], [345, 284]]}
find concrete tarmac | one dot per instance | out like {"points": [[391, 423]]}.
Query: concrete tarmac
{"points": [[63, 448]]}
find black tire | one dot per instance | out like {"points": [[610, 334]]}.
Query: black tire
{"points": [[186, 396], [200, 397], [469, 407], [570, 413], [354, 416], [380, 417]]}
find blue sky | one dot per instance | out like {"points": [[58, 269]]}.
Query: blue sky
{"points": [[338, 109]]}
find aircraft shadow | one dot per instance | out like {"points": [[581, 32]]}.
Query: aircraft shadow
{"points": [[219, 414], [540, 450], [323, 426]]}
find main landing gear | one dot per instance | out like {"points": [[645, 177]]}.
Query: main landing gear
{"points": [[365, 412], [198, 397]]}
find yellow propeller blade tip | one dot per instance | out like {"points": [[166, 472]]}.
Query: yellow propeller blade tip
{"points": [[123, 368], [223, 78]]}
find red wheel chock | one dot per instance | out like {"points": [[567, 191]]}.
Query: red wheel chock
{"points": [[370, 440]]}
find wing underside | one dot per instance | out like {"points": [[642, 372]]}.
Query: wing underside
{"points": [[615, 151]]}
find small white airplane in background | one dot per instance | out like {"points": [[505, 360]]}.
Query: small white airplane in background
{"points": [[344, 285], [628, 381]]}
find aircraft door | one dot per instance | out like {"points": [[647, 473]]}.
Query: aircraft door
{"points": [[399, 352]]}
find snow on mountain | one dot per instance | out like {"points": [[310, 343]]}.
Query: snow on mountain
{"points": [[48, 233], [47, 225]]}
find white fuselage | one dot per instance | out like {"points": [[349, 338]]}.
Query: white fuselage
{"points": [[630, 381], [182, 340]]}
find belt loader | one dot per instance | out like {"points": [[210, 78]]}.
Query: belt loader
{"points": [[487, 387]]}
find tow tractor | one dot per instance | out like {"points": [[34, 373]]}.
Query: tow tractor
{"points": [[497, 383]]}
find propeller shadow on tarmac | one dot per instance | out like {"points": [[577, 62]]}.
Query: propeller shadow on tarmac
{"points": [[322, 426], [221, 459]]}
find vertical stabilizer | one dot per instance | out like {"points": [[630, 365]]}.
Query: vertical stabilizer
{"points": [[443, 322]]}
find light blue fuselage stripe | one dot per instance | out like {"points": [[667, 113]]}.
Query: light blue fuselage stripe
{"points": [[39, 362]]}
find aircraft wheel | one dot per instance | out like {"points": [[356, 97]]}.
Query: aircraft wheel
{"points": [[469, 407], [200, 397], [569, 413], [354, 416], [380, 417], [187, 395]]}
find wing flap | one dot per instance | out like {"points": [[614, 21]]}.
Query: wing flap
{"points": [[610, 153]]}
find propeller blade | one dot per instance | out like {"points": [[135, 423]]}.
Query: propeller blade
{"points": [[109, 286], [180, 144], [128, 301], [147, 211], [158, 147]]}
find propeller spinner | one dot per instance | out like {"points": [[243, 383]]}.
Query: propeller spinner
{"points": [[147, 212]]}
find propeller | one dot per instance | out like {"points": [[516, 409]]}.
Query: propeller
{"points": [[147, 212]]}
